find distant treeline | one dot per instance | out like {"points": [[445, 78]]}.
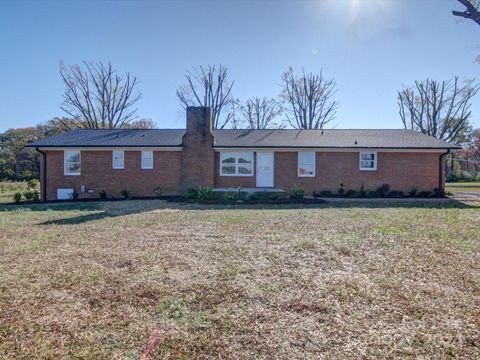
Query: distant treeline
{"points": [[20, 163]]}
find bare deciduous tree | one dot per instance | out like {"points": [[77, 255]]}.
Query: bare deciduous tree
{"points": [[439, 109], [142, 124], [209, 86], [309, 99], [260, 113], [97, 97], [471, 12]]}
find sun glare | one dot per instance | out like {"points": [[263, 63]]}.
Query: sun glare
{"points": [[356, 8]]}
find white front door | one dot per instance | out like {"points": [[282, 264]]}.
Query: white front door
{"points": [[264, 169]]}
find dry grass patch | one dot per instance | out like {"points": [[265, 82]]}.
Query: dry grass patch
{"points": [[95, 280]]}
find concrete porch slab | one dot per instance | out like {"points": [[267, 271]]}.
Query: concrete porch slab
{"points": [[249, 190]]}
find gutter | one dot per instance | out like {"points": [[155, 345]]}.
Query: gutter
{"points": [[440, 172], [43, 182], [219, 147]]}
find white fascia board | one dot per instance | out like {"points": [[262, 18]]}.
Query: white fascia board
{"points": [[170, 148], [406, 150]]}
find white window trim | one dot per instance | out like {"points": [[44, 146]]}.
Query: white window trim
{"points": [[314, 164], [65, 167], [375, 161], [236, 162], [142, 160], [113, 160]]}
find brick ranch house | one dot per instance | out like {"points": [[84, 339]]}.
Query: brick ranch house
{"points": [[141, 161]]}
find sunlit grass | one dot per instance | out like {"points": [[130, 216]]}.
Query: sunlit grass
{"points": [[364, 280], [465, 187]]}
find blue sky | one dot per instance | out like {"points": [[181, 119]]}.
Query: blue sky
{"points": [[371, 48]]}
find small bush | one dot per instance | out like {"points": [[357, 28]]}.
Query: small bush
{"points": [[27, 174], [323, 193], [31, 195], [413, 191], [28, 195], [297, 193], [362, 192], [33, 184], [351, 193], [273, 196], [383, 190], [467, 176], [396, 194], [103, 194], [191, 192], [451, 177], [373, 194], [424, 194], [254, 197], [35, 195], [74, 195], [341, 190], [229, 197], [17, 197], [439, 192], [205, 193], [157, 191], [125, 193]]}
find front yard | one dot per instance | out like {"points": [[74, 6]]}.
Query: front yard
{"points": [[344, 280], [463, 187]]}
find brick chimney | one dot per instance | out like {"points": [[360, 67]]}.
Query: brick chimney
{"points": [[198, 165]]}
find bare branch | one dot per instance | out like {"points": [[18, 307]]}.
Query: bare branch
{"points": [[260, 113], [471, 12], [439, 109], [309, 99], [209, 86], [97, 97]]}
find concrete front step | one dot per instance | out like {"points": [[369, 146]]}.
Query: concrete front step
{"points": [[249, 190]]}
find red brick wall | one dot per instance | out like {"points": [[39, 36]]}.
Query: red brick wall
{"points": [[197, 155], [97, 174], [400, 170]]}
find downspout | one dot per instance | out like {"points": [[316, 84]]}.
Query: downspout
{"points": [[440, 172], [43, 182]]}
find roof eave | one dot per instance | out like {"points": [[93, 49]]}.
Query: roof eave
{"points": [[337, 147], [103, 146]]}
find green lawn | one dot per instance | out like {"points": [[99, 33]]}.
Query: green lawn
{"points": [[343, 280], [472, 187]]}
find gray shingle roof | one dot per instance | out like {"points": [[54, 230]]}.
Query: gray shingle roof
{"points": [[115, 138], [335, 138]]}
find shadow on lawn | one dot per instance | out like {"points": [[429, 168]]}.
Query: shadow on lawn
{"points": [[109, 209]]}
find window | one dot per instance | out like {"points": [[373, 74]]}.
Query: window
{"points": [[236, 164], [71, 163], [306, 164], [118, 159], [147, 159], [368, 161]]}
